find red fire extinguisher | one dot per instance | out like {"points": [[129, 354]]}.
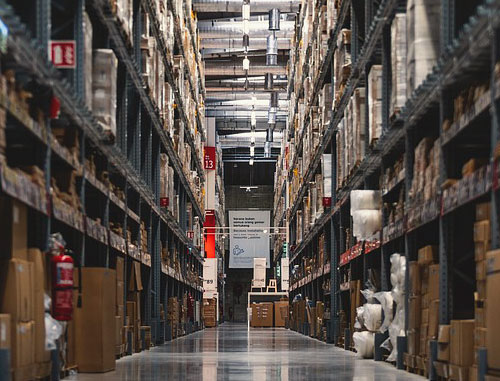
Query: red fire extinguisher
{"points": [[62, 286]]}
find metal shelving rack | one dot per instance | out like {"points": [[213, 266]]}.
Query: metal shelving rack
{"points": [[468, 51], [133, 163]]}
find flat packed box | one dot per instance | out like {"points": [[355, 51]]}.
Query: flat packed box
{"points": [[17, 289], [493, 308], [13, 229], [462, 342]]}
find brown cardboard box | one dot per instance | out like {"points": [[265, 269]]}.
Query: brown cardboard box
{"points": [[444, 343], [415, 282], [471, 165], [481, 287], [95, 321], [5, 341], [424, 277], [480, 250], [481, 270], [37, 258], [13, 229], [23, 350], [17, 289], [433, 282], [480, 317], [427, 255], [493, 308], [434, 319], [424, 316], [483, 211], [118, 330], [480, 335], [473, 373], [414, 315], [491, 377], [459, 373], [280, 313], [462, 342], [120, 293], [482, 231], [413, 342], [120, 269], [135, 282]]}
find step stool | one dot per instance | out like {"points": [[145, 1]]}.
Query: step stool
{"points": [[272, 285]]}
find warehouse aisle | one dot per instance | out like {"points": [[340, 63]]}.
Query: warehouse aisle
{"points": [[231, 353]]}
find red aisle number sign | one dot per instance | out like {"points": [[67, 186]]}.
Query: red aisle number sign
{"points": [[63, 54], [209, 157]]}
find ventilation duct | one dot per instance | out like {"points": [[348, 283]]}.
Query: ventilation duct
{"points": [[274, 19], [235, 68], [272, 50], [236, 29], [269, 82], [234, 6]]}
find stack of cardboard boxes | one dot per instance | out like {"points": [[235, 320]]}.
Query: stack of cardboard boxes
{"points": [[492, 306], [210, 312], [134, 306], [423, 321], [262, 315], [120, 307]]}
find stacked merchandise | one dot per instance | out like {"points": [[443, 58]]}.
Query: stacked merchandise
{"points": [[104, 72], [173, 315], [375, 103], [423, 19], [398, 63], [280, 313], [342, 63], [133, 306], [425, 183], [492, 311], [366, 212], [123, 9], [210, 312], [262, 315], [424, 305], [121, 338]]}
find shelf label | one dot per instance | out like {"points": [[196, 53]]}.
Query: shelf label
{"points": [[209, 158], [63, 54]]}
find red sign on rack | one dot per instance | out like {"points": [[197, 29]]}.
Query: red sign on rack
{"points": [[63, 54], [327, 202], [209, 158], [190, 234]]}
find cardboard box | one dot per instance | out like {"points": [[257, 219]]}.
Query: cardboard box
{"points": [[120, 269], [120, 293], [433, 282], [424, 316], [434, 319], [414, 315], [280, 313], [37, 258], [444, 343], [480, 317], [17, 290], [95, 321], [135, 282], [473, 373], [415, 281], [427, 255], [472, 165], [118, 330], [482, 232], [459, 373], [13, 229], [493, 308], [483, 211], [480, 335], [413, 342], [480, 250], [462, 342], [23, 349], [481, 270], [5, 341]]}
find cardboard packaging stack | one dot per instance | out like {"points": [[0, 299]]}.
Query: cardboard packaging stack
{"points": [[210, 312], [280, 313], [342, 62], [134, 305], [95, 320], [492, 309], [375, 103], [173, 315], [423, 19], [423, 321], [104, 72], [121, 340], [262, 315], [461, 348], [398, 63], [425, 183]]}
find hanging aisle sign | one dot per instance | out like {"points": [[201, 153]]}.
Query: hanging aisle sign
{"points": [[249, 237], [63, 54], [209, 158]]}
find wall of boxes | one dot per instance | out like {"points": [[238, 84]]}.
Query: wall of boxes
{"points": [[108, 154], [407, 109]]}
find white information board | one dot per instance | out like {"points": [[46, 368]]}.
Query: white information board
{"points": [[210, 274], [285, 274], [259, 272], [249, 237]]}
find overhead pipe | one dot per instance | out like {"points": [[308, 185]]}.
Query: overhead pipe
{"points": [[258, 83], [236, 68], [225, 29], [221, 95], [234, 6], [236, 43]]}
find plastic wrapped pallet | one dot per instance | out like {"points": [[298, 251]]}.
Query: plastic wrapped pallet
{"points": [[365, 199], [375, 103], [104, 89], [87, 59], [366, 223], [398, 63], [364, 343], [423, 23]]}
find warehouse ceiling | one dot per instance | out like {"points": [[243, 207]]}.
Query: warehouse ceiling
{"points": [[245, 45]]}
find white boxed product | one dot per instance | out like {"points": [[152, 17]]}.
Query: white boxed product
{"points": [[365, 199]]}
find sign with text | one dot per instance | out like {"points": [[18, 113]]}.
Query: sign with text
{"points": [[249, 237], [210, 274], [209, 157], [285, 271], [259, 272], [63, 54]]}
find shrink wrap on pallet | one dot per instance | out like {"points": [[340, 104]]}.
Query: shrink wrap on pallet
{"points": [[365, 199], [366, 223], [364, 343], [104, 89]]}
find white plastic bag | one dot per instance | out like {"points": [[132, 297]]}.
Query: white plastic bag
{"points": [[53, 330], [372, 316], [364, 343], [366, 223], [386, 301], [359, 318], [365, 199]]}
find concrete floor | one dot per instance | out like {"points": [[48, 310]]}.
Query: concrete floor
{"points": [[230, 352]]}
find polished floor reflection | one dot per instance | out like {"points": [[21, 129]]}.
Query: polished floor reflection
{"points": [[230, 352]]}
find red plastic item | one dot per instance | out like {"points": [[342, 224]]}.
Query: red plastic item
{"points": [[62, 287]]}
